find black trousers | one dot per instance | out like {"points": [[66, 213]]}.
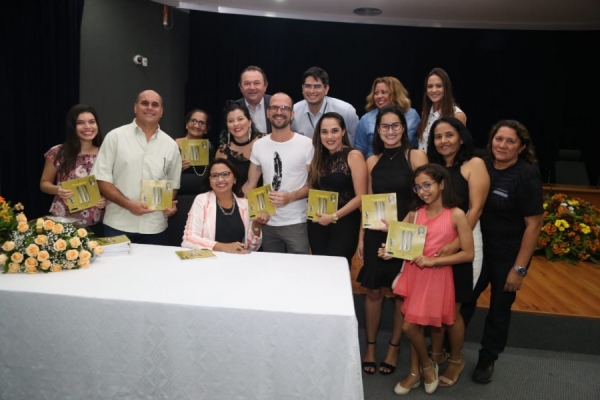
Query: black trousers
{"points": [[339, 239], [497, 322]]}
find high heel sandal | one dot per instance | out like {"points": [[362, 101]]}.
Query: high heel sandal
{"points": [[443, 353], [369, 364], [390, 367], [399, 389], [447, 382], [431, 387]]}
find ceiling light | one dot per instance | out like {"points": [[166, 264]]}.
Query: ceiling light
{"points": [[367, 11]]}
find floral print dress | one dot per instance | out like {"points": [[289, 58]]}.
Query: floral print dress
{"points": [[83, 167]]}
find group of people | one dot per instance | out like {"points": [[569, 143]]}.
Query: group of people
{"points": [[483, 215]]}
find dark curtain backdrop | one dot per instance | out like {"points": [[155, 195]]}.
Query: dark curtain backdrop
{"points": [[545, 79], [39, 82]]}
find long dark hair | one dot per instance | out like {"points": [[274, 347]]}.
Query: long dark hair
{"points": [[378, 145], [439, 174], [321, 154], [447, 103], [467, 148], [254, 132], [237, 186], [66, 156], [528, 153]]}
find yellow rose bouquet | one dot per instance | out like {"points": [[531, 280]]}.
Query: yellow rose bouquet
{"points": [[570, 230], [47, 246]]}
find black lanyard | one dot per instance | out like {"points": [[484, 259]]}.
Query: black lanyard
{"points": [[310, 119]]}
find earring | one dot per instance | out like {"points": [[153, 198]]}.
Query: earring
{"points": [[228, 138], [249, 134]]}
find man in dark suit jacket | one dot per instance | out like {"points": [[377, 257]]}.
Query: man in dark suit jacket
{"points": [[253, 85]]}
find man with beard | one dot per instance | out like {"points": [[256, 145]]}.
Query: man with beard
{"points": [[315, 86], [284, 159], [133, 152], [253, 85]]}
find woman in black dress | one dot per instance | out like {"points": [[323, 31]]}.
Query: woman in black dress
{"points": [[236, 143], [197, 123], [336, 168], [451, 146], [390, 171]]}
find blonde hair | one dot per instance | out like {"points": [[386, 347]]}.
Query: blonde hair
{"points": [[398, 93]]}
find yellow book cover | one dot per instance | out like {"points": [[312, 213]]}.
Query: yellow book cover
{"points": [[113, 240], [258, 202], [376, 207], [195, 151], [405, 240], [194, 254], [322, 202], [157, 195], [85, 193]]}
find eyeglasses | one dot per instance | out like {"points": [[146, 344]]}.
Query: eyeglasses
{"points": [[426, 187], [396, 126], [225, 175], [308, 86], [196, 122], [283, 109]]}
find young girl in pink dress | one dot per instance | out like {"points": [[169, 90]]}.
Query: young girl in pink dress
{"points": [[426, 282]]}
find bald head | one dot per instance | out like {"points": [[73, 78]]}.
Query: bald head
{"points": [[148, 108]]}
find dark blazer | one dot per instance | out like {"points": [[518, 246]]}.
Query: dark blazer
{"points": [[267, 102]]}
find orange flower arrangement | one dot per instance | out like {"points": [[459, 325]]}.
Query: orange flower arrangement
{"points": [[571, 229]]}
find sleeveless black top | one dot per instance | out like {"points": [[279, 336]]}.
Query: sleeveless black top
{"points": [[336, 176], [394, 175], [461, 187]]}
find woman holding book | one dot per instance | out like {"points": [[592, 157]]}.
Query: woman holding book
{"points": [[197, 123], [336, 168], [438, 101], [236, 144], [219, 219], [71, 160], [451, 146], [389, 171]]}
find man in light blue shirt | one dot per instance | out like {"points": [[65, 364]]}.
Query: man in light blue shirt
{"points": [[315, 86]]}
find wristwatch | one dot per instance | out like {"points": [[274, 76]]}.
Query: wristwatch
{"points": [[520, 270], [335, 217], [255, 229]]}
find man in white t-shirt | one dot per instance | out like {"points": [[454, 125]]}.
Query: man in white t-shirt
{"points": [[283, 158]]}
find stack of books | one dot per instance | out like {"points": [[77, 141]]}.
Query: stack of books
{"points": [[115, 245]]}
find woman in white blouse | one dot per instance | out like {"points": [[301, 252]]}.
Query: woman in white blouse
{"points": [[438, 101]]}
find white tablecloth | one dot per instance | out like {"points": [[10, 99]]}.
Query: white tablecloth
{"points": [[148, 326]]}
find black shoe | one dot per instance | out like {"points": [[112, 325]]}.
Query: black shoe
{"points": [[484, 370]]}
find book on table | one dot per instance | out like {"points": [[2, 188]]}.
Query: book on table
{"points": [[157, 195], [321, 202], [405, 240], [376, 207], [114, 245], [195, 254], [196, 151], [85, 193], [259, 203]]}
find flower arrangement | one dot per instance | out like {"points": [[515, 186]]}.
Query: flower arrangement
{"points": [[570, 229], [8, 218], [47, 246]]}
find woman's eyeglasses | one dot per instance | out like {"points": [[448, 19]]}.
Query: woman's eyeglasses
{"points": [[396, 126], [196, 122], [426, 187], [217, 175]]}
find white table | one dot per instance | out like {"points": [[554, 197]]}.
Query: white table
{"points": [[148, 326]]}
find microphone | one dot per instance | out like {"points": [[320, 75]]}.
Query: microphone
{"points": [[549, 171]]}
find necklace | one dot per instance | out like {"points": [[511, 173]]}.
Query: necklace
{"points": [[395, 154], [238, 143], [203, 172], [232, 208]]}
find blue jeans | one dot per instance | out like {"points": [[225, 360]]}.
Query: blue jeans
{"points": [[140, 238]]}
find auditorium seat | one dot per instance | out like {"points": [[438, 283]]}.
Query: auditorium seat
{"points": [[570, 168]]}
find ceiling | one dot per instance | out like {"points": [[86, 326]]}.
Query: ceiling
{"points": [[489, 14]]}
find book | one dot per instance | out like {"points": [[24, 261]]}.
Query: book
{"points": [[195, 151], [85, 193], [405, 240], [115, 245], [258, 202], [321, 202], [376, 207], [157, 195], [194, 254]]}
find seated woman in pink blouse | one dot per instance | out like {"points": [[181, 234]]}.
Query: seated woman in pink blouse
{"points": [[74, 159], [219, 219]]}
